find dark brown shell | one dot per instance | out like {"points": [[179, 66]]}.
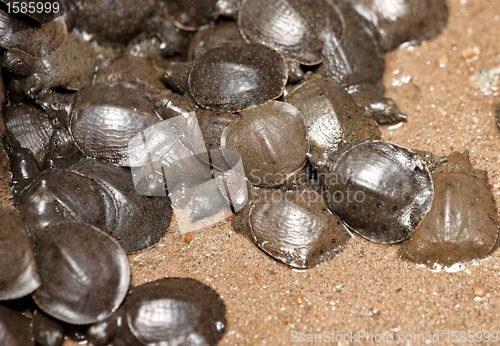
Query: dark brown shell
{"points": [[233, 78], [175, 311], [106, 118], [271, 140], [47, 330], [36, 40], [116, 21], [15, 328], [295, 227], [380, 190], [191, 14], [295, 28], [332, 118], [357, 56], [18, 276], [407, 21], [461, 226], [213, 37], [212, 125], [141, 221], [57, 195], [85, 273], [28, 125]]}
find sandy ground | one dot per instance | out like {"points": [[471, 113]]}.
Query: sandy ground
{"points": [[369, 288]]}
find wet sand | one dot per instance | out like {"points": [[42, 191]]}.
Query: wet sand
{"points": [[368, 288]]}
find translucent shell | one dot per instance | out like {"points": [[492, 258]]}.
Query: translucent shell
{"points": [[462, 224]]}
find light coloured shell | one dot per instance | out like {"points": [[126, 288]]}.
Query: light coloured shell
{"points": [[380, 190], [271, 140]]}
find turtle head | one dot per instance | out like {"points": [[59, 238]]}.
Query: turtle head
{"points": [[17, 62]]}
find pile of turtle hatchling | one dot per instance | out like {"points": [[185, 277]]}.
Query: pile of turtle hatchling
{"points": [[293, 86]]}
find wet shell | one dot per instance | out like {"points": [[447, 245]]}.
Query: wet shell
{"points": [[141, 221], [46, 330], [29, 126], [333, 120], [407, 21], [296, 227], [380, 190], [233, 78], [191, 14], [461, 226], [357, 57], [85, 273], [36, 40], [212, 125], [271, 140], [295, 28], [18, 276], [57, 195], [106, 118], [175, 311]]}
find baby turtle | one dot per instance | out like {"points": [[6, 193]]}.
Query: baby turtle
{"points": [[380, 190], [234, 78], [36, 40], [18, 276], [462, 224], [409, 21], [295, 28], [70, 67], [295, 226], [85, 274], [356, 56], [106, 117], [27, 125], [171, 311], [271, 140], [333, 120]]}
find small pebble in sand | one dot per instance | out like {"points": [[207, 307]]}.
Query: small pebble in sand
{"points": [[471, 52], [300, 301], [188, 239], [479, 291], [442, 61]]}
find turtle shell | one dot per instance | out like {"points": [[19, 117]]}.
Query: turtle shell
{"points": [[271, 140], [295, 227], [461, 226], [233, 78], [85, 274], [15, 328], [105, 119], [380, 190], [332, 118], [18, 277], [295, 28], [35, 40]]}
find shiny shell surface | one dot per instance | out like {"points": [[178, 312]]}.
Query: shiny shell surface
{"points": [[15, 328], [461, 226], [333, 120], [295, 28], [18, 276], [36, 40], [357, 56], [57, 195], [85, 274], [295, 227], [141, 221], [380, 190], [176, 311], [233, 78], [106, 118], [271, 140]]}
